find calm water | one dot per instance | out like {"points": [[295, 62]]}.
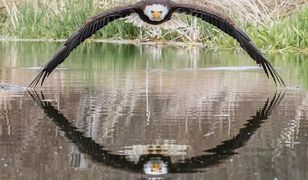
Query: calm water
{"points": [[150, 112]]}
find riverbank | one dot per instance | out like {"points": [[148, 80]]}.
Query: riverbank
{"points": [[112, 41], [48, 22]]}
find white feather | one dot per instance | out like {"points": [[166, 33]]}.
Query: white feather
{"points": [[173, 23], [156, 7]]}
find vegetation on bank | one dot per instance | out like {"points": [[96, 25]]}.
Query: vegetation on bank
{"points": [[58, 21]]}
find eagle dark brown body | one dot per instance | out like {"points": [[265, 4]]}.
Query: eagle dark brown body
{"points": [[157, 12]]}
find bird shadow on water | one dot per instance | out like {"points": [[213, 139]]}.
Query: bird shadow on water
{"points": [[159, 164]]}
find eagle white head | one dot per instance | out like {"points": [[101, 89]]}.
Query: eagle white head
{"points": [[156, 12]]}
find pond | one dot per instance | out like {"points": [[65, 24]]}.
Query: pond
{"points": [[115, 111]]}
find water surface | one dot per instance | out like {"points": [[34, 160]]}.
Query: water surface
{"points": [[151, 112]]}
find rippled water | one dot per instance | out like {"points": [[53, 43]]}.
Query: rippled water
{"points": [[151, 112]]}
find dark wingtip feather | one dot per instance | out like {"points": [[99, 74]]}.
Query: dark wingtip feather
{"points": [[57, 59], [44, 76], [270, 70], [39, 78], [277, 78], [256, 54], [265, 70]]}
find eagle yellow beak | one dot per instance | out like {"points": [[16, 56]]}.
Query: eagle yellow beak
{"points": [[156, 14], [156, 167]]}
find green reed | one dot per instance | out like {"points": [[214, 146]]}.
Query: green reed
{"points": [[288, 33]]}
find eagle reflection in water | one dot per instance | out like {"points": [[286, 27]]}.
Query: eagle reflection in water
{"points": [[157, 161]]}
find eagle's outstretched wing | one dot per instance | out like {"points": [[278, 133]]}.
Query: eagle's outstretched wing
{"points": [[227, 26], [87, 30]]}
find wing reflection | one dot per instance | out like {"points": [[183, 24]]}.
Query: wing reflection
{"points": [[158, 162]]}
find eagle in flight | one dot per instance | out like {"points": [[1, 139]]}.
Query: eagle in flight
{"points": [[156, 12]]}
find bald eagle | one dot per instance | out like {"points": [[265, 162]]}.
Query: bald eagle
{"points": [[156, 12]]}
